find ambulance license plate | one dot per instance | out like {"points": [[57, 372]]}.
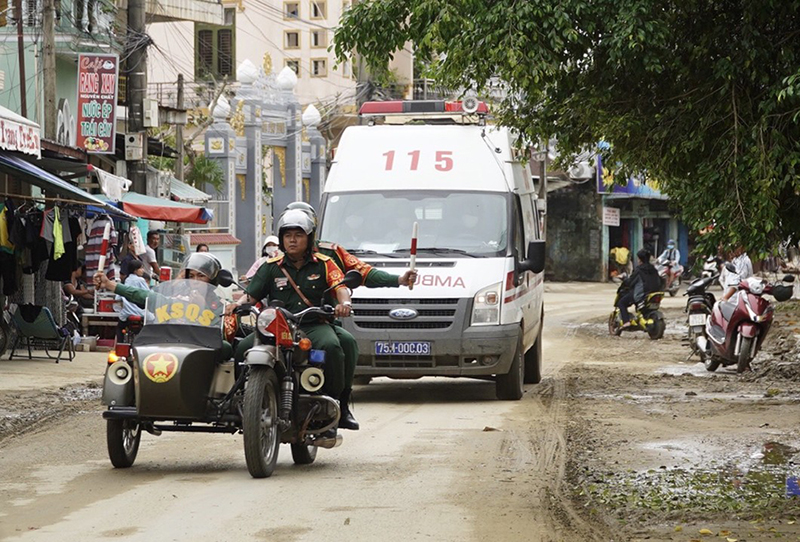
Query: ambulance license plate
{"points": [[402, 348], [697, 320]]}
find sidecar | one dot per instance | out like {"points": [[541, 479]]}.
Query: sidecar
{"points": [[178, 374]]}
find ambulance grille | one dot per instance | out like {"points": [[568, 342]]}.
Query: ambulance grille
{"points": [[431, 313]]}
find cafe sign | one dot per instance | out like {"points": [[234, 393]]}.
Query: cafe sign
{"points": [[98, 76]]}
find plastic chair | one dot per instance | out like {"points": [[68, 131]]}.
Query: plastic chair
{"points": [[37, 327]]}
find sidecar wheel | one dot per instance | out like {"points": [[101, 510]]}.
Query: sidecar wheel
{"points": [[122, 438], [260, 422], [303, 454]]}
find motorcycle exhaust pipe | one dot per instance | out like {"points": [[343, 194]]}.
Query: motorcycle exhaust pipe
{"points": [[329, 443]]}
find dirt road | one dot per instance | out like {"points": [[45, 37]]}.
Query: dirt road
{"points": [[436, 459]]}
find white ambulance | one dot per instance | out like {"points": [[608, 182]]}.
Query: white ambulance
{"points": [[476, 309]]}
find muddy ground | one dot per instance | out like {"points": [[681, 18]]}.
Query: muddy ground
{"points": [[657, 447], [661, 449]]}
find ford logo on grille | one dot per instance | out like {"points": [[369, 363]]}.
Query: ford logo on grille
{"points": [[403, 313]]}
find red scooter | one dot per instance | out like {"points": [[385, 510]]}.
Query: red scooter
{"points": [[737, 328]]}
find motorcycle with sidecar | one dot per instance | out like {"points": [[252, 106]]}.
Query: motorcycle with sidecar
{"points": [[179, 375]]}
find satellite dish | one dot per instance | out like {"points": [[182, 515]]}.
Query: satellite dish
{"points": [[469, 104]]}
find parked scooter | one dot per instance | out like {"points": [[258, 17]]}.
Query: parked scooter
{"points": [[737, 328], [699, 305], [667, 270], [647, 317]]}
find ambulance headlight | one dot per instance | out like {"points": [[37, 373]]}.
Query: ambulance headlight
{"points": [[486, 306]]}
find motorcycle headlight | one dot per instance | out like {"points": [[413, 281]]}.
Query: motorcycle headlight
{"points": [[486, 306], [265, 318]]}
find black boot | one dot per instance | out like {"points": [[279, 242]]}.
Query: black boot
{"points": [[346, 420]]}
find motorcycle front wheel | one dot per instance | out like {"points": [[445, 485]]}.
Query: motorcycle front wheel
{"points": [[614, 327], [122, 439], [743, 363], [260, 422]]}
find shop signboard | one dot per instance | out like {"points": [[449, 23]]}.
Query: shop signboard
{"points": [[97, 102], [610, 216]]}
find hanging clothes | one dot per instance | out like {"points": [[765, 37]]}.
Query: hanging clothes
{"points": [[137, 240], [58, 235], [113, 186], [94, 244], [62, 267], [6, 245]]}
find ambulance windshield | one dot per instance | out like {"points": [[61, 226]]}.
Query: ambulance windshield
{"points": [[461, 224]]}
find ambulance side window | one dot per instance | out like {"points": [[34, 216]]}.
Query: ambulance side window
{"points": [[519, 234], [529, 219]]}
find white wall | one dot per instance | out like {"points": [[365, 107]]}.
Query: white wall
{"points": [[259, 30]]}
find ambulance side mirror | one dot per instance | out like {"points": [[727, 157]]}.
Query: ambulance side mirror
{"points": [[535, 259]]}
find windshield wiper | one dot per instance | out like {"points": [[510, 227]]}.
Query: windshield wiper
{"points": [[361, 252], [441, 250]]}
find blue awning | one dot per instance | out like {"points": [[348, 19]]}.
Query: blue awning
{"points": [[55, 186]]}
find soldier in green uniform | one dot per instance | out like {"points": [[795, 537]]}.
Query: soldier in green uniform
{"points": [[299, 277], [372, 278]]}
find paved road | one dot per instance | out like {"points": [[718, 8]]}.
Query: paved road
{"points": [[436, 459]]}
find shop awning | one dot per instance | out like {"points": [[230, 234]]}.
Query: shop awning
{"points": [[19, 134], [152, 208], [55, 186], [183, 192]]}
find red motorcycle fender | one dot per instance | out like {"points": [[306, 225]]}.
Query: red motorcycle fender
{"points": [[749, 330]]}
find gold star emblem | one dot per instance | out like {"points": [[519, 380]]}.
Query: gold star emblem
{"points": [[160, 367]]}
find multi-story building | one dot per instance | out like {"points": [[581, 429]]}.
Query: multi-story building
{"points": [[296, 33], [81, 26]]}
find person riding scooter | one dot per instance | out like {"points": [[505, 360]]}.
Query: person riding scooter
{"points": [[671, 258], [644, 280]]}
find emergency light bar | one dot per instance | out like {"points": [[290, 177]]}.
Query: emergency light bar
{"points": [[401, 107]]}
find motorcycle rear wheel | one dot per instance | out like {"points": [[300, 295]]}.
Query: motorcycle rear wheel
{"points": [[260, 422], [122, 439], [656, 331], [303, 454], [743, 363]]}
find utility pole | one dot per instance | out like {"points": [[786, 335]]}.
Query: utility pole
{"points": [[137, 89], [23, 88], [179, 133], [49, 46]]}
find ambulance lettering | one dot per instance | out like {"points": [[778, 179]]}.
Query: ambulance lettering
{"points": [[439, 281]]}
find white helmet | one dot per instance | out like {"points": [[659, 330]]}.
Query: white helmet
{"points": [[205, 263]]}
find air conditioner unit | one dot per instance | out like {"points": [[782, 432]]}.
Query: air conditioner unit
{"points": [[581, 171], [133, 146], [150, 113]]}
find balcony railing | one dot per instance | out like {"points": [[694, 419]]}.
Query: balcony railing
{"points": [[196, 94]]}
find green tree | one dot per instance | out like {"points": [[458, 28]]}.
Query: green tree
{"points": [[701, 95]]}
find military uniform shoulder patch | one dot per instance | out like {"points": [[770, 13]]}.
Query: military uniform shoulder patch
{"points": [[278, 258], [321, 257], [326, 245]]}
